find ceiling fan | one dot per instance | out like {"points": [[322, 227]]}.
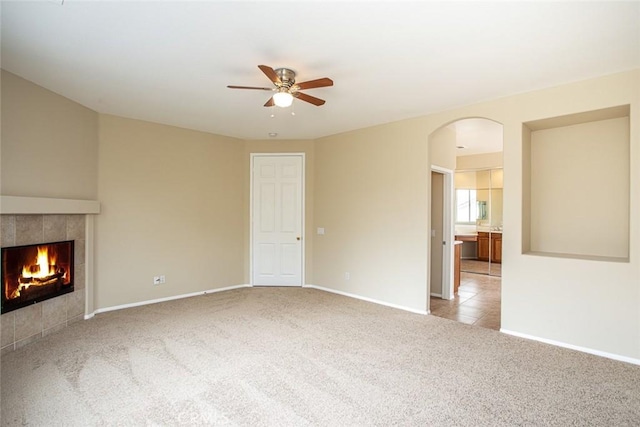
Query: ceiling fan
{"points": [[286, 88]]}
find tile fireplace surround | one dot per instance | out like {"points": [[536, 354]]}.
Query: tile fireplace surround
{"points": [[26, 325]]}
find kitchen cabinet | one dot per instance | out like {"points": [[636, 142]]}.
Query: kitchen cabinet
{"points": [[483, 246], [490, 246], [456, 265], [496, 248]]}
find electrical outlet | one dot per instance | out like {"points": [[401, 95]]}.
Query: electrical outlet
{"points": [[347, 276], [163, 279], [156, 280]]}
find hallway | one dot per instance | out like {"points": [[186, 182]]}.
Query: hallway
{"points": [[476, 303]]}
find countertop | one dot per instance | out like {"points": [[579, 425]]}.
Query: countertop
{"points": [[467, 234]]}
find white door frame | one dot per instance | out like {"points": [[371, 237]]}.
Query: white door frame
{"points": [[447, 234], [302, 232]]}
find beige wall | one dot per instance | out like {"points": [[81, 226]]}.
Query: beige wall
{"points": [[590, 304], [163, 188], [49, 143], [479, 161], [442, 148], [172, 202], [580, 189], [371, 198], [466, 180], [497, 178], [525, 223], [286, 146], [482, 179]]}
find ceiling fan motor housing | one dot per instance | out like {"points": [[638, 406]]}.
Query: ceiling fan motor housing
{"points": [[286, 76]]}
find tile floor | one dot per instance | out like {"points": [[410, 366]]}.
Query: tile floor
{"points": [[480, 267], [476, 303]]}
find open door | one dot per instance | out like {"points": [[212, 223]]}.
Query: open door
{"points": [[441, 240]]}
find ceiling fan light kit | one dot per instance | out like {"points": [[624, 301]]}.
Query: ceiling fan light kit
{"points": [[283, 99], [286, 88]]}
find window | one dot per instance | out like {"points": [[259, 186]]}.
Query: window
{"points": [[466, 206]]}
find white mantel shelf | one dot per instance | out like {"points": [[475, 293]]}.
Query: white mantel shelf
{"points": [[43, 205]]}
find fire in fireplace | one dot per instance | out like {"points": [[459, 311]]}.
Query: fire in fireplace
{"points": [[35, 273]]}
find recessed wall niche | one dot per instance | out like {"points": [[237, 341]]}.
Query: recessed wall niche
{"points": [[576, 181]]}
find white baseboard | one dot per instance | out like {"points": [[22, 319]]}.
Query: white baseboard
{"points": [[346, 294], [374, 301], [436, 295], [154, 301], [574, 347]]}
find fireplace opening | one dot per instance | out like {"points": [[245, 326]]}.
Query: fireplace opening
{"points": [[35, 273]]}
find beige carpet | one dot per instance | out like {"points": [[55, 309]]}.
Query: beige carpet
{"points": [[296, 357]]}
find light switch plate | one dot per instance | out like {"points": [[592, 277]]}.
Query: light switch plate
{"points": [[321, 231]]}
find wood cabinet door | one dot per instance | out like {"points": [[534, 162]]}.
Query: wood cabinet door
{"points": [[496, 249], [483, 246]]}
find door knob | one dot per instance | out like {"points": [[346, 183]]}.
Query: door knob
{"points": [[298, 238]]}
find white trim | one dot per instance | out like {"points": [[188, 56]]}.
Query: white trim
{"points": [[278, 285], [303, 212], [251, 218], [375, 301], [45, 205], [154, 301], [433, 294], [573, 347], [89, 260], [448, 232]]}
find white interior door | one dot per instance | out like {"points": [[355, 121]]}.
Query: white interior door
{"points": [[277, 219]]}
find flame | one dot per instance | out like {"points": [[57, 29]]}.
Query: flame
{"points": [[42, 273], [45, 265]]}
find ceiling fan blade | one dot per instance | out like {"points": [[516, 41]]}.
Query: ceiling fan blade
{"points": [[308, 98], [249, 87], [270, 103], [315, 83], [269, 72]]}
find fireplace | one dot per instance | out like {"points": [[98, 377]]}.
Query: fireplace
{"points": [[35, 273]]}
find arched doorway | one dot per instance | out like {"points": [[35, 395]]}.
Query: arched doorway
{"points": [[472, 149]]}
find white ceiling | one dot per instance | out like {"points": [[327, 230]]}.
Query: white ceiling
{"points": [[477, 136], [170, 62]]}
